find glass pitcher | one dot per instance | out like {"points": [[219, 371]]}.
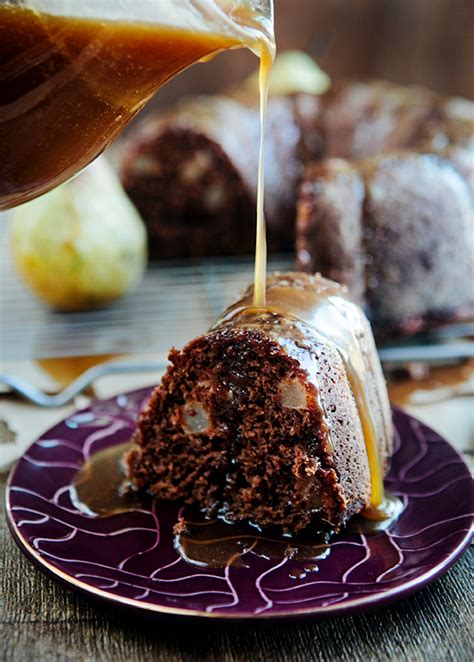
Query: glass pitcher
{"points": [[74, 72]]}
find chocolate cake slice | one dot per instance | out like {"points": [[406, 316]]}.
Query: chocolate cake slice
{"points": [[278, 415]]}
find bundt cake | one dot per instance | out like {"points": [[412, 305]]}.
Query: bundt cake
{"points": [[190, 168], [278, 415], [398, 230], [408, 257]]}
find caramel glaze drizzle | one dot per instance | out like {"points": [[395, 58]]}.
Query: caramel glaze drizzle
{"points": [[100, 487], [267, 56], [219, 544]]}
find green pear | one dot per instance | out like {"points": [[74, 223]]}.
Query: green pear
{"points": [[83, 244]]}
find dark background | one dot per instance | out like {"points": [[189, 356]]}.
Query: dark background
{"points": [[427, 42]]}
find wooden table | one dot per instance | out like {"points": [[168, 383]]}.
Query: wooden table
{"points": [[43, 621]]}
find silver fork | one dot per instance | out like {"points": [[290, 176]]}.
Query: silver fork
{"points": [[39, 397]]}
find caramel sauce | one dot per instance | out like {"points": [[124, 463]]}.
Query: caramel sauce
{"points": [[359, 390], [260, 277], [65, 369], [377, 518], [438, 384], [100, 487], [68, 85], [218, 544]]}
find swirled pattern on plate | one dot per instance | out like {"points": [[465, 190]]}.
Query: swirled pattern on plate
{"points": [[130, 558]]}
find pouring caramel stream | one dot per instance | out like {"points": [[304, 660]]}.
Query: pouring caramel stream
{"points": [[260, 276]]}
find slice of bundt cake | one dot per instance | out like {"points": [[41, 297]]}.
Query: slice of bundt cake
{"points": [[278, 415]]}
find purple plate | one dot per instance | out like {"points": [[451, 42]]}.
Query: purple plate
{"points": [[130, 558]]}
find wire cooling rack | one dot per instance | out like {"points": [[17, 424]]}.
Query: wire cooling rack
{"points": [[174, 303]]}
